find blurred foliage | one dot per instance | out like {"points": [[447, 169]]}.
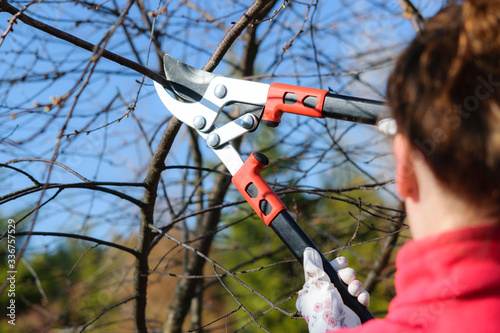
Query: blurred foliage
{"points": [[112, 127], [336, 221], [250, 245], [62, 288]]}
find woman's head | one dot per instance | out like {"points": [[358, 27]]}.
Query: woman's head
{"points": [[445, 97]]}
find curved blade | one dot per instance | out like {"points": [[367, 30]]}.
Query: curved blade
{"points": [[187, 82]]}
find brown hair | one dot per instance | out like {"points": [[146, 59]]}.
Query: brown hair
{"points": [[444, 96]]}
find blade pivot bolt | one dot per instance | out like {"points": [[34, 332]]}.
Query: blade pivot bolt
{"points": [[213, 140], [199, 122], [220, 91], [248, 121]]}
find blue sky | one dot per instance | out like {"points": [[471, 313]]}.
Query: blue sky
{"points": [[348, 38]]}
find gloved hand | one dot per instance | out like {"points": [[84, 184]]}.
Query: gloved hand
{"points": [[319, 301]]}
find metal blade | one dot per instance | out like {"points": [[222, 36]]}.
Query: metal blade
{"points": [[187, 82], [230, 157], [204, 95]]}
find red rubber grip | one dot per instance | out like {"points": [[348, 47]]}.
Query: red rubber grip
{"points": [[256, 191], [276, 106]]}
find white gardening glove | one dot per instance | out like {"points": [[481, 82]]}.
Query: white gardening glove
{"points": [[319, 301]]}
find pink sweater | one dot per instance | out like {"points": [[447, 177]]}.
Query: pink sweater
{"points": [[448, 283]]}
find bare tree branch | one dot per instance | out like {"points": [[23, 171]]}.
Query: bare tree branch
{"points": [[19, 15], [81, 237], [97, 186], [374, 276], [237, 301], [186, 289], [235, 32], [143, 248], [412, 13], [331, 172]]}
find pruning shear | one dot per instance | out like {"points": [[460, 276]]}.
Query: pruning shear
{"points": [[199, 98]]}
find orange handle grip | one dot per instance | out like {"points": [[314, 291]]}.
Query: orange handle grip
{"points": [[255, 190], [292, 99]]}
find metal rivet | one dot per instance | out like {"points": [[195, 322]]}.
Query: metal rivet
{"points": [[247, 122], [220, 91], [213, 140], [199, 122]]}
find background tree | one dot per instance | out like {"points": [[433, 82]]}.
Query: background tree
{"points": [[133, 214]]}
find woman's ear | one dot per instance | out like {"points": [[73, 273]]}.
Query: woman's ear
{"points": [[406, 179]]}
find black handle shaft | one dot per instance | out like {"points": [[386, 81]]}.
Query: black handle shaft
{"points": [[296, 240], [359, 110]]}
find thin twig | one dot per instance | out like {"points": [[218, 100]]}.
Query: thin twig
{"points": [[355, 233], [106, 310], [238, 301], [411, 12], [37, 280], [47, 161], [36, 182], [12, 21], [80, 258], [258, 269], [216, 320]]}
